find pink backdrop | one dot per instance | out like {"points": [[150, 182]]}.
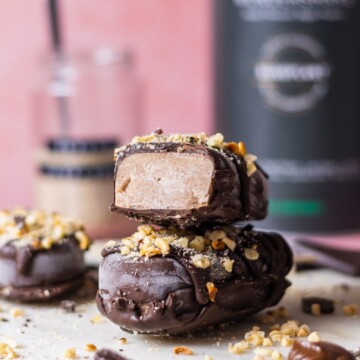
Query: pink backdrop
{"points": [[172, 44]]}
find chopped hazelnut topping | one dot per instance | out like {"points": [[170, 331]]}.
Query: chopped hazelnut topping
{"points": [[289, 328], [200, 261], [263, 351], [70, 353], [216, 140], [251, 254], [228, 265], [212, 291], [183, 350], [314, 337], [233, 147], [231, 244], [90, 347], [162, 245], [208, 357], [255, 337], [242, 148], [123, 340], [351, 309], [217, 244], [258, 357], [125, 250], [198, 244]]}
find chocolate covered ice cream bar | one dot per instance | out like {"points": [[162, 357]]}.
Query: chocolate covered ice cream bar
{"points": [[188, 180], [171, 281], [41, 255]]}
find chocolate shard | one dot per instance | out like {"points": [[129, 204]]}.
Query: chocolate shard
{"points": [[107, 354], [321, 350], [187, 183], [171, 281]]}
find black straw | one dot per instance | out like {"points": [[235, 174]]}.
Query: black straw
{"points": [[55, 25]]}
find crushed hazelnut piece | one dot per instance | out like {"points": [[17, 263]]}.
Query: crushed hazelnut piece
{"points": [[255, 337], [16, 312], [276, 355], [275, 327], [208, 357], [125, 250], [276, 335], [251, 254], [231, 244], [123, 340], [162, 245], [111, 243], [315, 309], [96, 319], [286, 341], [198, 244], [314, 337], [70, 353], [228, 265], [233, 147], [183, 350], [258, 357], [282, 312], [267, 342], [7, 351], [216, 140], [289, 328], [350, 309], [145, 229], [238, 348], [242, 148], [266, 319], [218, 244], [201, 261], [304, 330], [83, 239], [212, 291], [90, 347]]}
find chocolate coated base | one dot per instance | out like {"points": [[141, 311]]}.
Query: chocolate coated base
{"points": [[40, 293], [168, 294]]}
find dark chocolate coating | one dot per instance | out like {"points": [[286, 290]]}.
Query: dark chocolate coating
{"points": [[235, 196], [27, 274], [168, 295], [305, 350]]}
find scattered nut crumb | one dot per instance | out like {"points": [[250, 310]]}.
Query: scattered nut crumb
{"points": [[90, 347], [16, 312], [286, 341], [263, 351], [208, 357], [96, 319], [258, 357], [267, 342], [238, 348], [123, 340], [304, 330], [183, 350], [314, 337], [7, 351], [70, 353], [350, 309]]}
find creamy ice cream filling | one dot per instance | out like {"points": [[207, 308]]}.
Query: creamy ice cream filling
{"points": [[164, 181]]}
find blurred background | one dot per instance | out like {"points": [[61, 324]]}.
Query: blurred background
{"points": [[170, 42], [78, 78]]}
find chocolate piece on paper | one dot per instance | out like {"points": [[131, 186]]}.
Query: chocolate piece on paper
{"points": [[344, 261], [106, 354], [188, 184], [171, 281], [321, 350], [323, 305]]}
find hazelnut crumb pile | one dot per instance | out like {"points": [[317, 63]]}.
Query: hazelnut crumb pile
{"points": [[215, 141], [39, 229], [281, 334], [148, 242]]}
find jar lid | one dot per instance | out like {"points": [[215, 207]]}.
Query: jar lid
{"points": [[100, 171], [84, 146]]}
